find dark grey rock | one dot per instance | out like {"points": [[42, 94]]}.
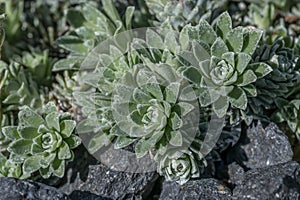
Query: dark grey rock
{"points": [[235, 173], [16, 189], [76, 195], [276, 182], [204, 189], [262, 147], [105, 182]]}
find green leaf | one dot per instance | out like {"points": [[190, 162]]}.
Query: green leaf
{"points": [[140, 97], [193, 75], [176, 122], [28, 132], [218, 48], [10, 132], [224, 25], [73, 44], [142, 148], [20, 146], [242, 62], [32, 164], [235, 39], [97, 142], [172, 92], [45, 173], [251, 40], [64, 151], [246, 78], [47, 159], [52, 121], [28, 117], [220, 106], [208, 96], [204, 33], [185, 108], [123, 141], [155, 90], [69, 63], [111, 10], [251, 90], [176, 138], [200, 52], [238, 98], [58, 168], [184, 38], [154, 40], [260, 69], [128, 16], [73, 141], [67, 127], [75, 18]]}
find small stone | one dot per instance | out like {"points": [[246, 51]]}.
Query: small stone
{"points": [[276, 182], [16, 189], [262, 147], [204, 189], [116, 185]]}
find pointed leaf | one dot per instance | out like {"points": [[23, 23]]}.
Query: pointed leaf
{"points": [[20, 146], [238, 98], [67, 127], [224, 24], [32, 164], [123, 141], [251, 39], [246, 78], [218, 48]]}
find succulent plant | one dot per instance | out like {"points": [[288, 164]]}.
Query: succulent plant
{"points": [[290, 113], [223, 70], [43, 142], [180, 165], [9, 169], [284, 76], [180, 13], [89, 27]]}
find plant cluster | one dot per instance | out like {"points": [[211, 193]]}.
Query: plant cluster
{"points": [[155, 94]]}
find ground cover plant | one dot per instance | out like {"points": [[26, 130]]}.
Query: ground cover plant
{"points": [[83, 65]]}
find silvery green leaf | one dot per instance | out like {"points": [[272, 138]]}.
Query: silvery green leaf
{"points": [[153, 39], [171, 41], [58, 168], [155, 90], [176, 138], [20, 146], [185, 108], [69, 63], [172, 92], [123, 141], [229, 58], [238, 98], [243, 60], [184, 38], [224, 24], [36, 149], [246, 78], [235, 39], [32, 164], [219, 48], [27, 132], [28, 117], [11, 132], [47, 159], [64, 151], [251, 90], [67, 127], [140, 97], [73, 44], [200, 52], [142, 148], [208, 96], [293, 125], [251, 39], [128, 16], [220, 106], [193, 75], [98, 141], [73, 141], [260, 69], [111, 10], [52, 121], [176, 121], [45, 173], [204, 33]]}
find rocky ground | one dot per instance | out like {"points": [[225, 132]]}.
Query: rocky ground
{"points": [[258, 166]]}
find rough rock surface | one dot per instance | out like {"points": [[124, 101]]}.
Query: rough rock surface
{"points": [[276, 182], [262, 147], [204, 189], [104, 182], [16, 189]]}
